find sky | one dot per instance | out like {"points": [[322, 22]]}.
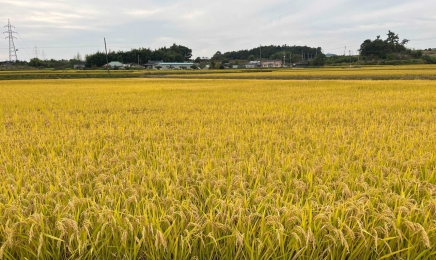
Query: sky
{"points": [[62, 28]]}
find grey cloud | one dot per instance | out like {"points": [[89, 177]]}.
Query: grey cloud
{"points": [[209, 26]]}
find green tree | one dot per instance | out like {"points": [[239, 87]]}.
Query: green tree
{"points": [[35, 62], [319, 60], [381, 48], [212, 65], [176, 52], [296, 58], [217, 56]]}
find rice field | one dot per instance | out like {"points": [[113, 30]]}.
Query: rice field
{"points": [[414, 72], [217, 169]]}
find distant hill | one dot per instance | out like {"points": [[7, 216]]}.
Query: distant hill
{"points": [[269, 52]]}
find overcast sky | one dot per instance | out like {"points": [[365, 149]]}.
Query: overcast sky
{"points": [[63, 28]]}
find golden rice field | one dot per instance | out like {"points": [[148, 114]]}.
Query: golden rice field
{"points": [[217, 169], [414, 72]]}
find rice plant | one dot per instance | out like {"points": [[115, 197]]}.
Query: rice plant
{"points": [[217, 169]]}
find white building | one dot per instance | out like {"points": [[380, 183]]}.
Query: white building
{"points": [[174, 65], [253, 64], [168, 65]]}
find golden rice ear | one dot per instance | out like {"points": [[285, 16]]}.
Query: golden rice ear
{"points": [[219, 169]]}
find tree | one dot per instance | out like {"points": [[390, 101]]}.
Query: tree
{"points": [[184, 52], [417, 54], [296, 58], [217, 56], [319, 60], [429, 59], [197, 60], [251, 58], [278, 56], [35, 62], [176, 53], [78, 57], [212, 65], [381, 48]]}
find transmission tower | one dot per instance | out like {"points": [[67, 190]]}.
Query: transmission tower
{"points": [[12, 50], [36, 52]]}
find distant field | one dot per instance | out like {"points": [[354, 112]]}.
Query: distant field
{"points": [[409, 72], [74, 74], [217, 169]]}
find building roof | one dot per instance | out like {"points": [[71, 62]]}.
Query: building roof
{"points": [[176, 63], [153, 62], [115, 63], [272, 61]]}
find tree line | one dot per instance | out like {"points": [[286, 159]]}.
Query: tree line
{"points": [[272, 52], [175, 53]]}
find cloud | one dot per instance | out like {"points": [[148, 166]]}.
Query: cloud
{"points": [[207, 27]]}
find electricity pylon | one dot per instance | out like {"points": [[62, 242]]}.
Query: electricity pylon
{"points": [[11, 37]]}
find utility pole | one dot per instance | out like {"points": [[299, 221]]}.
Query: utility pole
{"points": [[358, 58], [12, 50], [284, 61], [345, 50], [43, 55], [107, 60], [260, 57], [36, 52], [138, 59]]}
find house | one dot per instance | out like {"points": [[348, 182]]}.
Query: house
{"points": [[272, 64], [169, 65], [151, 64], [133, 65], [175, 65], [252, 64], [114, 65], [79, 66]]}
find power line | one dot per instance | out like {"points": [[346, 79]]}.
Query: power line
{"points": [[11, 37], [77, 46], [25, 44]]}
